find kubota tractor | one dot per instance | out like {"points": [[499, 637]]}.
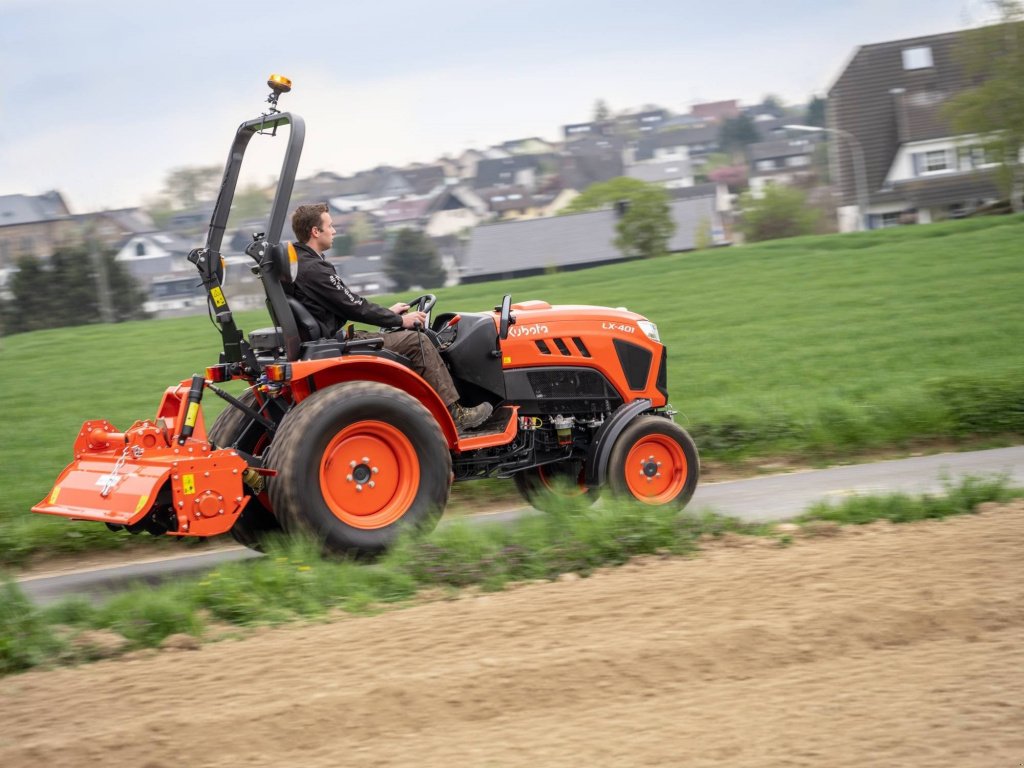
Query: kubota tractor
{"points": [[342, 440]]}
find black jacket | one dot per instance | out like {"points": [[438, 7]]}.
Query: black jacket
{"points": [[319, 288]]}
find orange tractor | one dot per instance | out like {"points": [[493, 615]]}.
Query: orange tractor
{"points": [[341, 439]]}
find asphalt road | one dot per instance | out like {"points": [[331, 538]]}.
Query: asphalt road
{"points": [[760, 499]]}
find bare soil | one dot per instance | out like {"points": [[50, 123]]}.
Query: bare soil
{"points": [[875, 645]]}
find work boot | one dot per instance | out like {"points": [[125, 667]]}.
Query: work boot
{"points": [[470, 418]]}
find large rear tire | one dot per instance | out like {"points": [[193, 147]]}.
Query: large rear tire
{"points": [[654, 461], [356, 464], [549, 485], [234, 429]]}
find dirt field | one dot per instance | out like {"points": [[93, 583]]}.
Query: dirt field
{"points": [[882, 646]]}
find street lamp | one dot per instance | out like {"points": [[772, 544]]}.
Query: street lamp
{"points": [[860, 177]]}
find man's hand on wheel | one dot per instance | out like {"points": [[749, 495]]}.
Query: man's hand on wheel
{"points": [[400, 308], [412, 319]]}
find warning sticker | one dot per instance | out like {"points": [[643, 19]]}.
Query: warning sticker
{"points": [[193, 412], [188, 485], [142, 504], [218, 297], [54, 495]]}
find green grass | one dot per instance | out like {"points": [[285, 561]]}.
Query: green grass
{"points": [[293, 582], [813, 347]]}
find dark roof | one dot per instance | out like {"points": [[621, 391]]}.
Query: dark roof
{"points": [[28, 209], [883, 104], [425, 179], [572, 241], [950, 189], [708, 189]]}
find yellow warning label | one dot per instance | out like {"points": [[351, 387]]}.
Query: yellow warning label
{"points": [[143, 501], [188, 485], [193, 413], [218, 297], [506, 360], [54, 495]]}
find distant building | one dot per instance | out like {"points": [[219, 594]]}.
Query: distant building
{"points": [[716, 110], [787, 162], [32, 225], [891, 97], [578, 240]]}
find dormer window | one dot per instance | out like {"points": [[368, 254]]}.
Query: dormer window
{"points": [[917, 58]]}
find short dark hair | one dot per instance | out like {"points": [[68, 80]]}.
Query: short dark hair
{"points": [[305, 218]]}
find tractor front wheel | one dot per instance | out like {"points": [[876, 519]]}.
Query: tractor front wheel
{"points": [[356, 463], [654, 461]]}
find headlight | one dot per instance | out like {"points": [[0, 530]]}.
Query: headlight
{"points": [[650, 329]]}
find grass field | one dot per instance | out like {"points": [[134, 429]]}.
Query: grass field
{"points": [[816, 346]]}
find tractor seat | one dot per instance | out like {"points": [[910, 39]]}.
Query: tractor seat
{"points": [[309, 328]]}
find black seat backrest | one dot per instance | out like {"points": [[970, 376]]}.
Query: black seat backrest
{"points": [[309, 328], [285, 267]]}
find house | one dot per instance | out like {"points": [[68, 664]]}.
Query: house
{"points": [[156, 254], [113, 227], [455, 210], [576, 241], [364, 271], [669, 172], [406, 213], [787, 162], [575, 131], [515, 202], [367, 190], [516, 170], [716, 111], [890, 98], [424, 180], [590, 160], [32, 225], [694, 143], [530, 146]]}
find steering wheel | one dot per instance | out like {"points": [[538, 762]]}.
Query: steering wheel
{"points": [[423, 304], [506, 316]]}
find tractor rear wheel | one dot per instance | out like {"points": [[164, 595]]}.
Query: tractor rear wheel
{"points": [[547, 486], [654, 461], [234, 429], [357, 463]]}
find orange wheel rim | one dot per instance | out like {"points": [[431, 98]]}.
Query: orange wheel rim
{"points": [[369, 474], [553, 482], [656, 469]]}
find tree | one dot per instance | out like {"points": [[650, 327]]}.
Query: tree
{"points": [[772, 105], [414, 261], [993, 57], [601, 111], [736, 133], [186, 187], [65, 292], [361, 229], [782, 212], [645, 226], [815, 114]]}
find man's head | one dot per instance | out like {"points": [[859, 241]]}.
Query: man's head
{"points": [[312, 226]]}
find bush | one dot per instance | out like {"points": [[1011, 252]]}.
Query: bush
{"points": [[782, 212], [989, 405]]}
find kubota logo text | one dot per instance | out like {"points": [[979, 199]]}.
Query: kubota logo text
{"points": [[527, 330]]}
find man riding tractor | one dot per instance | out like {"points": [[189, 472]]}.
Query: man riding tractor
{"points": [[321, 290]]}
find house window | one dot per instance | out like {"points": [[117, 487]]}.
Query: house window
{"points": [[891, 219], [917, 58], [797, 161], [932, 161], [766, 165], [140, 248]]}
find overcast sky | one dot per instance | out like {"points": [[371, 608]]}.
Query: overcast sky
{"points": [[100, 98]]}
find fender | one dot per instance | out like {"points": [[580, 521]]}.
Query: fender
{"points": [[601, 448]]}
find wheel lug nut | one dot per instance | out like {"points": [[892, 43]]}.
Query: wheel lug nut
{"points": [[359, 487], [366, 460], [371, 484], [375, 470], [352, 464], [348, 478]]}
